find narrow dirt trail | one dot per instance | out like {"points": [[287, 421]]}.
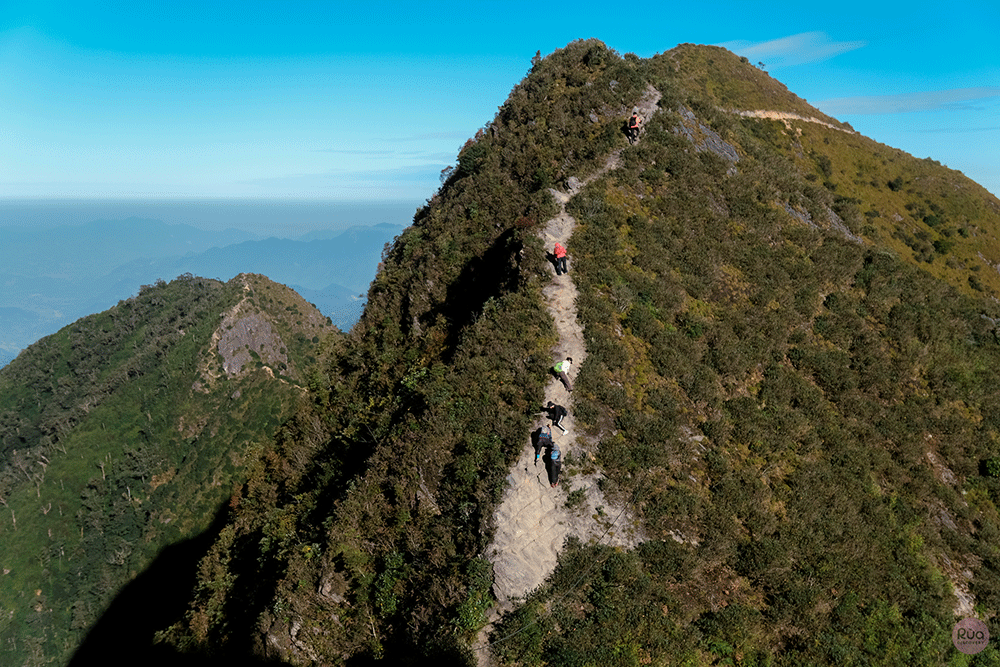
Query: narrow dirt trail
{"points": [[533, 521], [785, 116]]}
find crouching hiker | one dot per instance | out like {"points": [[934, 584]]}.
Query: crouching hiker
{"points": [[543, 442], [556, 414], [562, 371]]}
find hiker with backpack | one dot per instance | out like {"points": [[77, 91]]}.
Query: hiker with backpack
{"points": [[556, 414], [543, 442], [633, 127], [555, 465], [561, 369]]}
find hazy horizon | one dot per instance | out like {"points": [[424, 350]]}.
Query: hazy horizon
{"points": [[36, 303], [284, 218]]}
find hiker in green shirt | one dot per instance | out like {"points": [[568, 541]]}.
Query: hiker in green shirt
{"points": [[562, 370]]}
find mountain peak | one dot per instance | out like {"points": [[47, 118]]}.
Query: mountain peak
{"points": [[772, 319], [775, 343], [735, 84]]}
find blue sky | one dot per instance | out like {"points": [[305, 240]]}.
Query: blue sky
{"points": [[369, 101]]}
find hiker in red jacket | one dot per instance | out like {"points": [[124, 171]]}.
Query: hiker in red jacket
{"points": [[560, 253]]}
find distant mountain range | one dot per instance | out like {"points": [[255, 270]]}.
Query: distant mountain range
{"points": [[56, 275]]}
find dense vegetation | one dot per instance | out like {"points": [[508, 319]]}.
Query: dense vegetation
{"points": [[804, 422], [121, 435], [792, 353], [383, 523]]}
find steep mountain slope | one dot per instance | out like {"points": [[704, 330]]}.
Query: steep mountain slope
{"points": [[799, 414], [790, 393], [802, 416], [381, 526], [123, 433], [529, 508]]}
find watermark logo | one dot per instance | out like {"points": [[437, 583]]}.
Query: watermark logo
{"points": [[970, 635]]}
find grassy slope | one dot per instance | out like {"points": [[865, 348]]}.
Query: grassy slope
{"points": [[802, 421], [929, 215], [763, 391]]}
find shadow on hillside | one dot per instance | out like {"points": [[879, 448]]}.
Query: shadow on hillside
{"points": [[155, 599], [488, 276], [408, 656]]}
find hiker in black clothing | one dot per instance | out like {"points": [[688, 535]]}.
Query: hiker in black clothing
{"points": [[555, 465], [556, 414], [553, 457], [543, 441]]}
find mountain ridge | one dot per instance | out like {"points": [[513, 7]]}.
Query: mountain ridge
{"points": [[791, 355], [81, 281], [733, 311], [520, 567], [157, 403]]}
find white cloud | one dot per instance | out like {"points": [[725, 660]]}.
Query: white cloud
{"points": [[806, 47], [948, 100]]}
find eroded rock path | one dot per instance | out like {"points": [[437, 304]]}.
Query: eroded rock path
{"points": [[533, 521]]}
